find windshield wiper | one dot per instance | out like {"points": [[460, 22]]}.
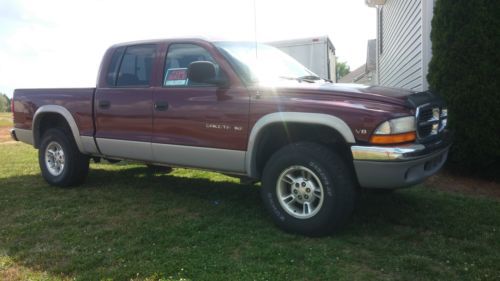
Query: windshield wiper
{"points": [[309, 77], [306, 78]]}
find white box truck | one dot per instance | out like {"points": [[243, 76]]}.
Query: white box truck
{"points": [[315, 53]]}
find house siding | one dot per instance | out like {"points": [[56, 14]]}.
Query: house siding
{"points": [[400, 52]]}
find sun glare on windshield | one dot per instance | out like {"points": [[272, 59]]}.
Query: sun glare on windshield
{"points": [[267, 64]]}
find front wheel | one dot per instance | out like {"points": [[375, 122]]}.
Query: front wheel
{"points": [[60, 161], [308, 189]]}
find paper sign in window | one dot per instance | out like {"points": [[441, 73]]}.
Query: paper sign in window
{"points": [[176, 77]]}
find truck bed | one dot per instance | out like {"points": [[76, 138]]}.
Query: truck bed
{"points": [[78, 101]]}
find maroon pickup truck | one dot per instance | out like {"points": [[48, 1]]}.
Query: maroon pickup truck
{"points": [[243, 109]]}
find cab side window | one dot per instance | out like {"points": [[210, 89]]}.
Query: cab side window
{"points": [[136, 66], [179, 57], [113, 66]]}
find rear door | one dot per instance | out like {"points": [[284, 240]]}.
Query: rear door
{"points": [[123, 109]]}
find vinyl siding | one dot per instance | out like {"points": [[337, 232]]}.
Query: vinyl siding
{"points": [[400, 62]]}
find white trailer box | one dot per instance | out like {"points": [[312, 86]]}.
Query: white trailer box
{"points": [[316, 53]]}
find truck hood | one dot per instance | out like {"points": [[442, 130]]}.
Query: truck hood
{"points": [[376, 93], [401, 97], [373, 93]]}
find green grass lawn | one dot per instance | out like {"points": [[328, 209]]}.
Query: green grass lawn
{"points": [[126, 223]]}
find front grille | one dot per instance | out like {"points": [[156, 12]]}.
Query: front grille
{"points": [[431, 120], [425, 114]]}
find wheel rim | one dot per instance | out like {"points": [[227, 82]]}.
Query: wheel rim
{"points": [[300, 192], [54, 158]]}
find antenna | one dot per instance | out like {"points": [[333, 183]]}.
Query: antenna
{"points": [[255, 25]]}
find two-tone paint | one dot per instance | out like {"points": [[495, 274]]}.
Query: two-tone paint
{"points": [[205, 127]]}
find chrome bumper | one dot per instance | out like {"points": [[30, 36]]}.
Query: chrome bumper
{"points": [[380, 153], [401, 152], [399, 166]]}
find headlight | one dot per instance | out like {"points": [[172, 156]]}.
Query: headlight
{"points": [[396, 130], [396, 126]]}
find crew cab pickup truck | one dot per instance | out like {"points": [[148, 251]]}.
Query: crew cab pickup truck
{"points": [[242, 109]]}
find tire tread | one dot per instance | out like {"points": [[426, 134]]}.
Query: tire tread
{"points": [[76, 162], [338, 171]]}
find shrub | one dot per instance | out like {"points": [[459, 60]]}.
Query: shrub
{"points": [[465, 70], [4, 103]]}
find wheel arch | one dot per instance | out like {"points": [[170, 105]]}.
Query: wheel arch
{"points": [[58, 110], [335, 124]]}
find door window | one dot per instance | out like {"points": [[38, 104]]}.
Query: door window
{"points": [[136, 66], [179, 57]]}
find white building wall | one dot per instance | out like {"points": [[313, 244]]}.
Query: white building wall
{"points": [[404, 47], [427, 14]]}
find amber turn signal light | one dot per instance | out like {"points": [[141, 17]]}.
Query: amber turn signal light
{"points": [[392, 139]]}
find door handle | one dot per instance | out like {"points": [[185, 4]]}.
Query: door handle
{"points": [[104, 104], [161, 105]]}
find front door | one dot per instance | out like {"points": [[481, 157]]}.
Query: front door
{"points": [[199, 125], [123, 109]]}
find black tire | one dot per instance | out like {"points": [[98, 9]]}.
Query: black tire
{"points": [[339, 188], [76, 164]]}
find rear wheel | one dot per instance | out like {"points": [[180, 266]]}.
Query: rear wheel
{"points": [[308, 189], [60, 161]]}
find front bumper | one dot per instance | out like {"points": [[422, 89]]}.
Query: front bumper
{"points": [[401, 166]]}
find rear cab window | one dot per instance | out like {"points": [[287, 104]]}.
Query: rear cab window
{"points": [[131, 66], [179, 57]]}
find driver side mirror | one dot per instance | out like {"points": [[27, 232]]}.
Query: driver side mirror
{"points": [[204, 72]]}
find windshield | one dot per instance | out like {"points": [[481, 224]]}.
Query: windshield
{"points": [[267, 64]]}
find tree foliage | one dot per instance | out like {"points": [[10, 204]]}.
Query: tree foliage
{"points": [[465, 70], [4, 103], [342, 69]]}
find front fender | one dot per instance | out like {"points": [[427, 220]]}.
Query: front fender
{"points": [[291, 117]]}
